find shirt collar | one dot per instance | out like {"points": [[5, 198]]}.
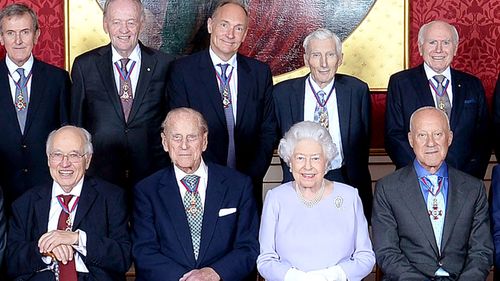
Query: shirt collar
{"points": [[12, 67], [135, 55], [216, 60], [202, 171], [422, 172], [76, 191], [317, 87], [431, 73]]}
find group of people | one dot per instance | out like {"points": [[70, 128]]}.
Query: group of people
{"points": [[144, 158]]}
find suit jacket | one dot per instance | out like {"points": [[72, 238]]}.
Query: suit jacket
{"points": [[162, 240], [496, 118], [495, 212], [409, 90], [353, 104], [101, 213], [23, 161], [403, 237], [124, 152], [193, 83]]}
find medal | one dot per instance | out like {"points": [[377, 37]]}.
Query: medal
{"points": [[224, 86], [435, 213], [441, 105], [21, 103], [323, 119]]}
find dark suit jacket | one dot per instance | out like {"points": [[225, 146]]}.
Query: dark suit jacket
{"points": [[162, 241], [124, 152], [409, 90], [3, 229], [496, 118], [101, 213], [193, 83], [495, 212], [403, 238], [23, 161], [353, 104]]}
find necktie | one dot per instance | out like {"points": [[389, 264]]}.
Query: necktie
{"points": [[443, 101], [228, 113], [126, 97], [194, 210], [22, 99], [321, 112], [435, 206], [67, 272]]}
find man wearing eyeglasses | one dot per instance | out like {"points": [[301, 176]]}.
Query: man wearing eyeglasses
{"points": [[75, 227]]}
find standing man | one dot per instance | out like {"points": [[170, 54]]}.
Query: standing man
{"points": [[119, 95], [233, 93], [339, 102], [435, 83], [430, 221], [34, 101], [77, 222], [194, 220]]}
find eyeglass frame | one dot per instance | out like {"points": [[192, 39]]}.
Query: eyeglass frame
{"points": [[76, 160]]}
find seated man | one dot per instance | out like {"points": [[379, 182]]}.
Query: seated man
{"points": [[193, 220], [430, 221], [75, 227]]}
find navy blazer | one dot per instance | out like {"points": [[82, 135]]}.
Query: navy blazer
{"points": [[162, 246], [23, 160], [101, 213], [124, 152], [409, 90], [353, 105], [192, 83]]}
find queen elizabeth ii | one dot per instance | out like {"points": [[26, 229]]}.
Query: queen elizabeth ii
{"points": [[313, 228]]}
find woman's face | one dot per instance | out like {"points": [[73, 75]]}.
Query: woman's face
{"points": [[308, 163]]}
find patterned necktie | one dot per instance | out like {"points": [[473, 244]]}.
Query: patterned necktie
{"points": [[67, 272], [194, 210], [435, 206], [321, 112], [126, 97], [228, 113], [22, 99], [443, 101]]}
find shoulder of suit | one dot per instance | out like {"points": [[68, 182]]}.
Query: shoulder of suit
{"points": [[226, 172], [49, 67], [394, 178], [458, 74], [91, 54], [103, 187], [348, 79], [403, 74], [289, 83], [455, 173]]}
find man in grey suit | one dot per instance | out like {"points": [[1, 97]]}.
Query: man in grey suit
{"points": [[430, 221]]}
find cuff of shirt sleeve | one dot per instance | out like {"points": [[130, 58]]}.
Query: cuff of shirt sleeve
{"points": [[81, 247]]}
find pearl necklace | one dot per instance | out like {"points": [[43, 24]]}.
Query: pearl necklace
{"points": [[317, 197]]}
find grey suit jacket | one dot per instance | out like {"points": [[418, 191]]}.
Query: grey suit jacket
{"points": [[403, 237]]}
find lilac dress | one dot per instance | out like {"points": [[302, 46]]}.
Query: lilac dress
{"points": [[332, 232]]}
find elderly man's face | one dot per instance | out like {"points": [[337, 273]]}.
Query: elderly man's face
{"points": [[308, 163], [430, 138], [19, 37], [68, 144], [321, 57], [228, 29], [184, 141], [438, 48], [123, 23]]}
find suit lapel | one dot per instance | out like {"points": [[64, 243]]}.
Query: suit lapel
{"points": [[37, 93], [148, 64], [42, 208], [422, 89], [209, 87], [168, 192], [244, 87], [297, 99], [216, 191], [343, 95], [456, 195], [458, 99], [87, 198], [105, 66], [6, 102], [412, 197]]}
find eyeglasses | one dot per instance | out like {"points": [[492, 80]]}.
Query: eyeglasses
{"points": [[73, 157]]}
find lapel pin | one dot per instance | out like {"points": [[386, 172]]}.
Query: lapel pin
{"points": [[148, 69], [338, 202], [459, 85]]}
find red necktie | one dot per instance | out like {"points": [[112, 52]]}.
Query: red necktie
{"points": [[67, 272]]}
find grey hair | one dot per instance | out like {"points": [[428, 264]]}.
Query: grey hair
{"points": [[429, 108], [307, 130], [87, 147], [323, 34], [202, 124], [423, 29], [225, 2], [19, 10], [137, 2]]}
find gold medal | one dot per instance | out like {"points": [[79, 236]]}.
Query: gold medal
{"points": [[441, 105]]}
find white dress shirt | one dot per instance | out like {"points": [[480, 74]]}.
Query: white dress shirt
{"points": [[14, 76], [233, 83], [134, 75], [430, 76]]}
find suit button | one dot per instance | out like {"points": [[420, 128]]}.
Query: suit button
{"points": [[440, 263], [126, 131], [24, 146], [25, 170]]}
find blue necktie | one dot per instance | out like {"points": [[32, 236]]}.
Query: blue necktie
{"points": [[228, 113], [21, 99], [194, 210]]}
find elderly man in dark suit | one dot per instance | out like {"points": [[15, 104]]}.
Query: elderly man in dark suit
{"points": [[232, 92], [346, 102], [435, 83], [76, 226], [430, 221], [195, 220], [119, 95], [34, 102]]}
